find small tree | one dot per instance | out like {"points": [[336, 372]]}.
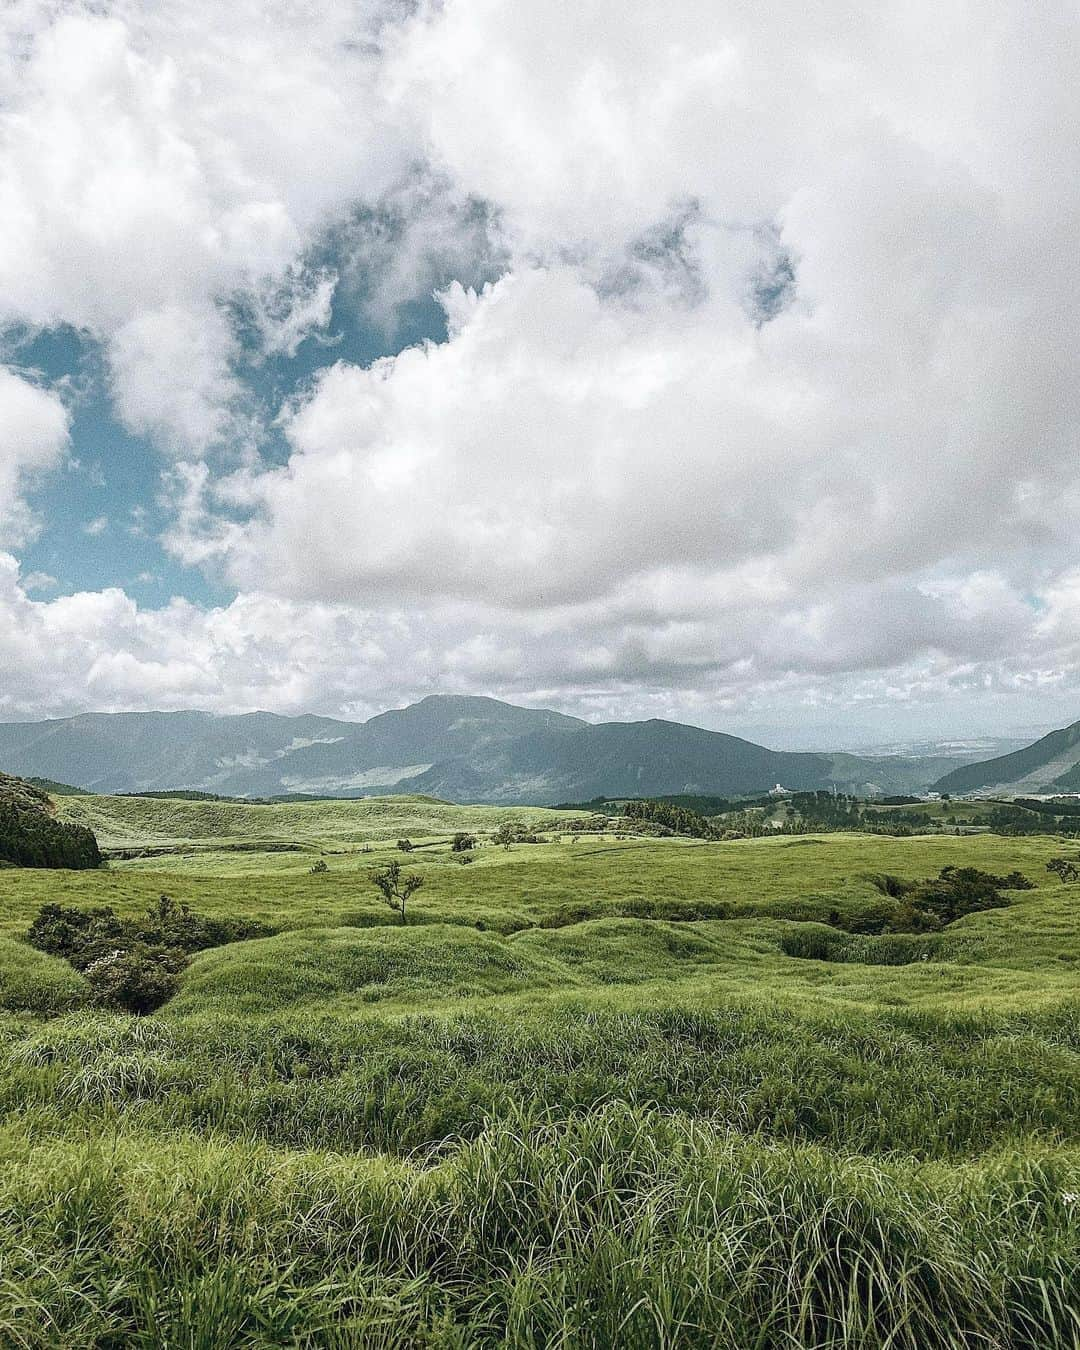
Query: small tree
{"points": [[507, 833], [1065, 869], [396, 889], [317, 867], [405, 845], [462, 842]]}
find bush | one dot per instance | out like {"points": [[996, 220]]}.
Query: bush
{"points": [[78, 935], [136, 980], [462, 842], [926, 906], [317, 867]]}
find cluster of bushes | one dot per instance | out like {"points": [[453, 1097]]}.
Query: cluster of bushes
{"points": [[932, 904], [514, 832], [673, 819], [1025, 816], [132, 964], [30, 836]]}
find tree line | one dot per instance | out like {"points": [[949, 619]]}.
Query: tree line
{"points": [[30, 836]]}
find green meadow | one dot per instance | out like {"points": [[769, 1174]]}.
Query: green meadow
{"points": [[601, 1090]]}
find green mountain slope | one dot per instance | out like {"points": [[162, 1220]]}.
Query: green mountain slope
{"points": [[637, 759], [1050, 764]]}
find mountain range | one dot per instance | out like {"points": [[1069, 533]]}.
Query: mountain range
{"points": [[467, 749]]}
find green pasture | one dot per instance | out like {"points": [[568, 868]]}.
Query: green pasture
{"points": [[588, 1096]]}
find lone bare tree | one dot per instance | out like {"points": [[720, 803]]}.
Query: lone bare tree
{"points": [[394, 888]]}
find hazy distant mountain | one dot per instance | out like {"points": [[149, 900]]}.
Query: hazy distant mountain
{"points": [[463, 748], [258, 754], [1050, 764], [631, 759]]}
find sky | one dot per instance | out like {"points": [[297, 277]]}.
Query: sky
{"points": [[713, 361]]}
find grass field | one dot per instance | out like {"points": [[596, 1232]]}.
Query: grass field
{"points": [[585, 1098]]}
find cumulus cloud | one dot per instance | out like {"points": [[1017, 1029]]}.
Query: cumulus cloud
{"points": [[758, 381], [33, 437], [100, 649], [156, 160]]}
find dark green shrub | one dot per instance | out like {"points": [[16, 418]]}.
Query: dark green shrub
{"points": [[78, 935], [462, 842], [137, 979], [171, 923]]}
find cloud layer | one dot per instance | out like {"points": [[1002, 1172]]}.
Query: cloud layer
{"points": [[768, 403]]}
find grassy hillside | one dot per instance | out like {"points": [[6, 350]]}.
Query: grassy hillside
{"points": [[146, 822], [589, 1097]]}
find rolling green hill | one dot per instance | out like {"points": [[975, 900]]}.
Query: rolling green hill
{"points": [[154, 823]]}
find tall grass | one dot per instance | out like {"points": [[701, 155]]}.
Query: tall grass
{"points": [[933, 1086], [621, 1228]]}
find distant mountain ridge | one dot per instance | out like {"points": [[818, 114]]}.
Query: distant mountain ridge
{"points": [[1050, 764], [466, 748]]}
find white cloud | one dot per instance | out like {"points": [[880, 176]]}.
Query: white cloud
{"points": [[774, 400], [171, 378], [100, 649], [33, 437], [39, 581], [155, 161]]}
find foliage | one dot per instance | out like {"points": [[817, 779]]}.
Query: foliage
{"points": [[135, 979], [30, 835], [1064, 868], [318, 867], [926, 906], [677, 819], [462, 842], [395, 888], [405, 845], [508, 833], [132, 963]]}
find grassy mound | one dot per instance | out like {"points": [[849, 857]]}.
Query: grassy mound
{"points": [[30, 981], [369, 965]]}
